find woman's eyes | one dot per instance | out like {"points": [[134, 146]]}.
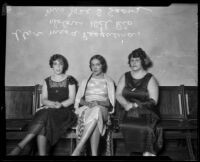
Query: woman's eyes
{"points": [[58, 64], [135, 60], [96, 64]]}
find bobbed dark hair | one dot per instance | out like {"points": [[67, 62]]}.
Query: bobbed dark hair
{"points": [[145, 60], [59, 57], [102, 61]]}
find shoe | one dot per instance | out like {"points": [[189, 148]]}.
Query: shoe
{"points": [[148, 154], [15, 151]]}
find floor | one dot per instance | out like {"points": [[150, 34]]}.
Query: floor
{"points": [[175, 150], [172, 149]]}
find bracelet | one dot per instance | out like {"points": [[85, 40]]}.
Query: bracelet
{"points": [[136, 105]]}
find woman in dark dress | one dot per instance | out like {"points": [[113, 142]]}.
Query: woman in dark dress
{"points": [[56, 115], [137, 93]]}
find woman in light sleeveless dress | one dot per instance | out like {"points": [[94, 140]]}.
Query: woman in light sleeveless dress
{"points": [[95, 98]]}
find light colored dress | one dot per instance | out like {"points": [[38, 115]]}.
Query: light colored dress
{"points": [[94, 90]]}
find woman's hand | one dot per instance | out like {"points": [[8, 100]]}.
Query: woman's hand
{"points": [[58, 105], [92, 104], [131, 105]]}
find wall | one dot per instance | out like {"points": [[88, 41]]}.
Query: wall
{"points": [[167, 34]]}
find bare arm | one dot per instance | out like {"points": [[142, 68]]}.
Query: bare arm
{"points": [[153, 96], [121, 84], [45, 100], [72, 94], [153, 89]]}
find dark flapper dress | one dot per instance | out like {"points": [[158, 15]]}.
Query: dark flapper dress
{"points": [[139, 125], [52, 122]]}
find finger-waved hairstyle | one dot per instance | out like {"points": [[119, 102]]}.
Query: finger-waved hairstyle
{"points": [[59, 57]]}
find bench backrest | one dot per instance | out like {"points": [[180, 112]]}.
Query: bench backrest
{"points": [[38, 95], [191, 99], [19, 102], [175, 102], [170, 103], [38, 88]]}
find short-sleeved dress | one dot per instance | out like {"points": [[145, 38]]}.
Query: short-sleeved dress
{"points": [[53, 122], [139, 125]]}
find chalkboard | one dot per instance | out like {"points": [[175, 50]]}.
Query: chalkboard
{"points": [[167, 34]]}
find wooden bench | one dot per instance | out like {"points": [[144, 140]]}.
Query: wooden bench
{"points": [[177, 105], [21, 103], [19, 108], [174, 113]]}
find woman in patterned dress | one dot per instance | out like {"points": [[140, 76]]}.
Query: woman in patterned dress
{"points": [[56, 115], [137, 93], [94, 99]]}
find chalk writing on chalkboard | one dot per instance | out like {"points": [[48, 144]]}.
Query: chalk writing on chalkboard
{"points": [[86, 23], [169, 35], [99, 12]]}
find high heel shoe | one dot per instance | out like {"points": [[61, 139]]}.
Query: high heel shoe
{"points": [[15, 151], [148, 154]]}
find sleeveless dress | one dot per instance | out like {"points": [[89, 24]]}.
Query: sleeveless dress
{"points": [[96, 90], [139, 125], [51, 122]]}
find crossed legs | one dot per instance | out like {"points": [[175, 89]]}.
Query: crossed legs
{"points": [[41, 141], [94, 141], [21, 144], [91, 130]]}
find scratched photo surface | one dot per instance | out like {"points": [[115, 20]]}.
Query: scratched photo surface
{"points": [[167, 34]]}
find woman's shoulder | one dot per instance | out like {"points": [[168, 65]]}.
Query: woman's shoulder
{"points": [[125, 74], [107, 77], [71, 79], [46, 79], [151, 78], [149, 74]]}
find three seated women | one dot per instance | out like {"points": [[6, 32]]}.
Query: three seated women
{"points": [[136, 93]]}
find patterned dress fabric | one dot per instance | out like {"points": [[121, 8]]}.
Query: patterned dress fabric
{"points": [[51, 122]]}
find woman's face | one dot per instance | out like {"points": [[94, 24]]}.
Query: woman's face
{"points": [[58, 66], [96, 67], [136, 63]]}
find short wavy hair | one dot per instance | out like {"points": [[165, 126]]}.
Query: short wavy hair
{"points": [[102, 61], [145, 60], [59, 57]]}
